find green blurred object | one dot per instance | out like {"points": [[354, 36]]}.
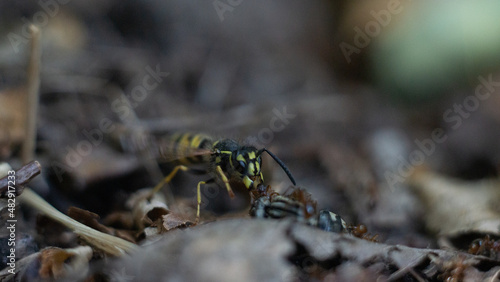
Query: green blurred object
{"points": [[436, 46]]}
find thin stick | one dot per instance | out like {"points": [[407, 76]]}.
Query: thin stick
{"points": [[28, 148], [109, 244], [22, 177]]}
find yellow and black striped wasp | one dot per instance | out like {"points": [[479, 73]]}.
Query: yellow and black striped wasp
{"points": [[227, 162]]}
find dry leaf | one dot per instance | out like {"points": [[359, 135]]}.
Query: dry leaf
{"points": [[119, 219], [152, 216], [456, 208], [56, 263], [226, 250], [173, 220], [265, 250], [146, 210], [52, 263], [90, 219]]}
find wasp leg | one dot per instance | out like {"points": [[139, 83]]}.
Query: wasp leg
{"points": [[198, 195], [226, 181], [168, 178]]}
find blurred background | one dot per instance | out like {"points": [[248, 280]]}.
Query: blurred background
{"points": [[351, 95]]}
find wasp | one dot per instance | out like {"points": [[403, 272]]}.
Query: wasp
{"points": [[295, 203], [226, 161]]}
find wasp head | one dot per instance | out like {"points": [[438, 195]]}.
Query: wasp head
{"points": [[247, 162]]}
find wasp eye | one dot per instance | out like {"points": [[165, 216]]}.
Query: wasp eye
{"points": [[240, 166]]}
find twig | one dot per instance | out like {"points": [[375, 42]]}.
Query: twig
{"points": [[109, 244], [27, 150], [22, 177]]}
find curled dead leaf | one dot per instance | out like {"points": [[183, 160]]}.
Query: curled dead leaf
{"points": [[146, 209], [151, 214], [56, 263]]}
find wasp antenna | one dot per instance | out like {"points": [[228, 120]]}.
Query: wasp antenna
{"points": [[283, 166]]}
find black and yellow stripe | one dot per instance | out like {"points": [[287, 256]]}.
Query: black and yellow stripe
{"points": [[187, 147]]}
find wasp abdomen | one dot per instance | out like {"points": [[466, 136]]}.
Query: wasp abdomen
{"points": [[188, 148]]}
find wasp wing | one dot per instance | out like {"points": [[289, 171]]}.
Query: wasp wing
{"points": [[187, 148]]}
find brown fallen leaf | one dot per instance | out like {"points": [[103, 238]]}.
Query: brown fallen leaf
{"points": [[173, 220], [119, 219], [91, 220], [56, 263], [88, 218], [457, 208]]}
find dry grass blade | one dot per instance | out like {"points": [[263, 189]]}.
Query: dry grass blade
{"points": [[109, 244]]}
